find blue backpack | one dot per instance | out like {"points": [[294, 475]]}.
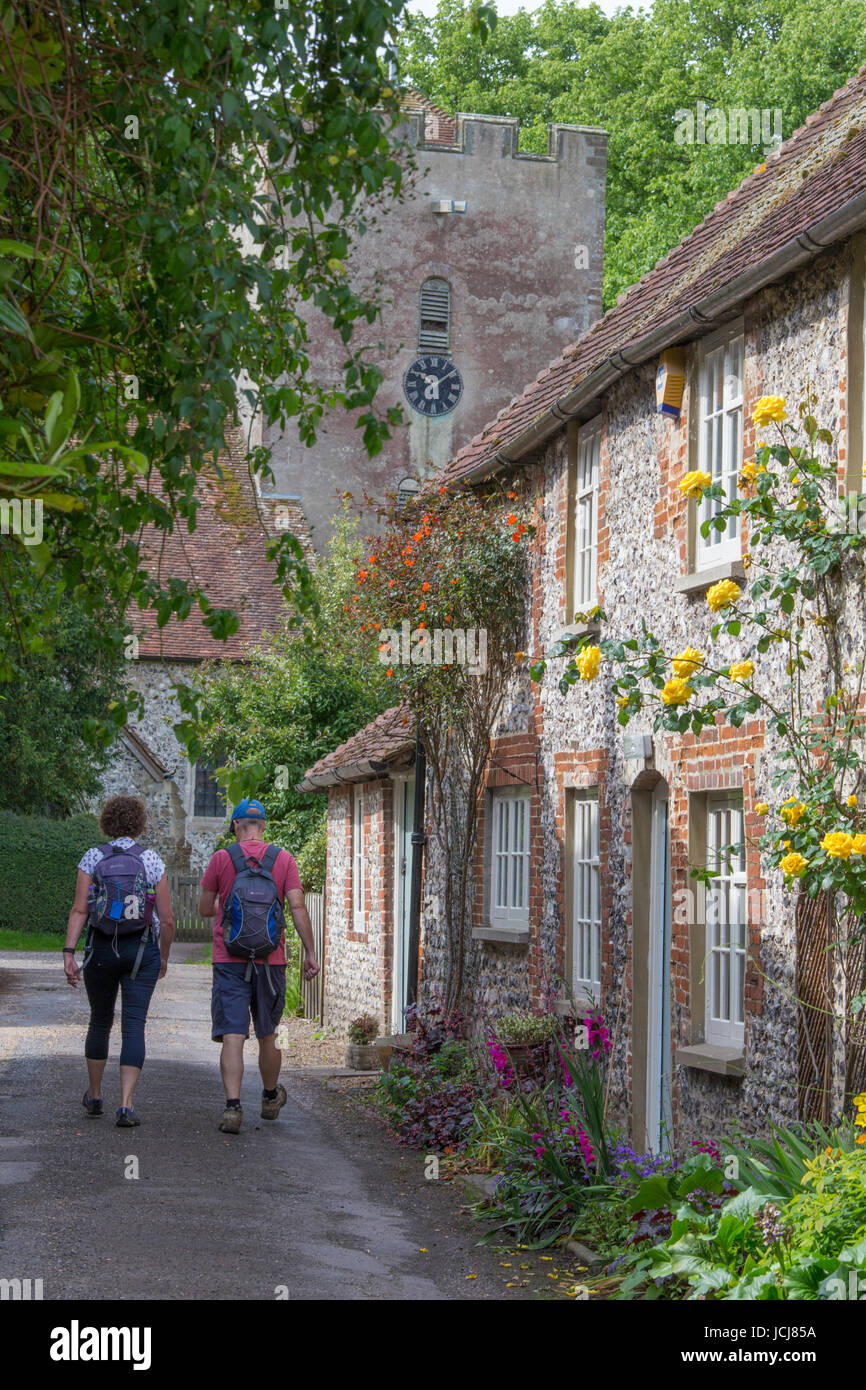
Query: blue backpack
{"points": [[121, 902], [253, 920]]}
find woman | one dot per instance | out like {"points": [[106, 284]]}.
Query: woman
{"points": [[122, 893]]}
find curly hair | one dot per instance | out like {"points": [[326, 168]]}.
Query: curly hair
{"points": [[123, 815]]}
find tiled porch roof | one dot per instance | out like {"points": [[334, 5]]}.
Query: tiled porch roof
{"points": [[386, 743]]}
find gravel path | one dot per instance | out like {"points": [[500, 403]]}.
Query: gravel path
{"points": [[319, 1203]]}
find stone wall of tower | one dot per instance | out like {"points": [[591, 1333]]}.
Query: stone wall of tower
{"points": [[524, 266]]}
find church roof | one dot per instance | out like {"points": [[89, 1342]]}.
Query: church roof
{"points": [[225, 556]]}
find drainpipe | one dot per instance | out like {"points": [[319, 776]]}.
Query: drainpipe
{"points": [[419, 840]]}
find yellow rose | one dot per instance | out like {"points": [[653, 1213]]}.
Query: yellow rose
{"points": [[852, 800], [748, 473], [677, 692], [693, 484], [793, 865], [742, 670], [859, 845], [687, 662], [588, 662], [769, 409], [792, 811], [720, 595], [622, 701], [837, 844], [762, 809]]}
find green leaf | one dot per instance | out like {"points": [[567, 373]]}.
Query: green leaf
{"points": [[14, 321]]}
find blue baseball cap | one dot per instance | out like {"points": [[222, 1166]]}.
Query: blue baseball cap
{"points": [[249, 810]]}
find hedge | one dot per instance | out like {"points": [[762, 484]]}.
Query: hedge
{"points": [[38, 859]]}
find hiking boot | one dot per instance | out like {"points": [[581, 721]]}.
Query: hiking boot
{"points": [[272, 1108], [126, 1118], [93, 1107], [231, 1120]]}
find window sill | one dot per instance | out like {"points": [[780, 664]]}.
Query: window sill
{"points": [[511, 936], [576, 630], [724, 1061], [207, 824], [581, 1008], [700, 580]]}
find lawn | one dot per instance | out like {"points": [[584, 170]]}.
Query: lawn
{"points": [[31, 940]]}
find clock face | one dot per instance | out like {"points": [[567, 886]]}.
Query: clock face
{"points": [[433, 385]]}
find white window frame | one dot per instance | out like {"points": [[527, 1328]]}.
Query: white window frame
{"points": [[585, 895], [584, 558], [720, 438], [509, 857], [726, 924], [359, 876]]}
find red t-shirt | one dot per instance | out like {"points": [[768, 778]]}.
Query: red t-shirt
{"points": [[219, 877]]}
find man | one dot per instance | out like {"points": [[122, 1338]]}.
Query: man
{"points": [[241, 991]]}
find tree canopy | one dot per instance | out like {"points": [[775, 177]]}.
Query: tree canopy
{"points": [[180, 181]]}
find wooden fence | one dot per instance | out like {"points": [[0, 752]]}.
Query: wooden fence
{"points": [[185, 888], [313, 990]]}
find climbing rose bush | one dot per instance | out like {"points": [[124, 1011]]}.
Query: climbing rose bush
{"points": [[805, 571]]}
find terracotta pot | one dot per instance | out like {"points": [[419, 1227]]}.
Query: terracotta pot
{"points": [[362, 1056], [526, 1058]]}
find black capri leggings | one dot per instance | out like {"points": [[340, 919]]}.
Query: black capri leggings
{"points": [[104, 973]]}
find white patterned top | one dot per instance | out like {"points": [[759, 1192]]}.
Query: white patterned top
{"points": [[154, 868]]}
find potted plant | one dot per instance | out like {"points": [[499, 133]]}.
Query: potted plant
{"points": [[526, 1037], [361, 1053]]}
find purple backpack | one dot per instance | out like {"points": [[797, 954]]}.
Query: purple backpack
{"points": [[122, 903]]}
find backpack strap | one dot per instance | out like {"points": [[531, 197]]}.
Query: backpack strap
{"points": [[237, 856], [269, 858]]}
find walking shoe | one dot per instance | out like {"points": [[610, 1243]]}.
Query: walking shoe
{"points": [[93, 1107], [272, 1108], [126, 1117], [231, 1120]]}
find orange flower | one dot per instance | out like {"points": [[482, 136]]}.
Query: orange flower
{"points": [[442, 489], [419, 535], [390, 671], [521, 528], [422, 625], [512, 494], [511, 519], [391, 583], [372, 560], [425, 586], [422, 605], [455, 581], [515, 535]]}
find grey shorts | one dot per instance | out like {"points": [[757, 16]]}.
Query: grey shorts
{"points": [[234, 1000]]}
